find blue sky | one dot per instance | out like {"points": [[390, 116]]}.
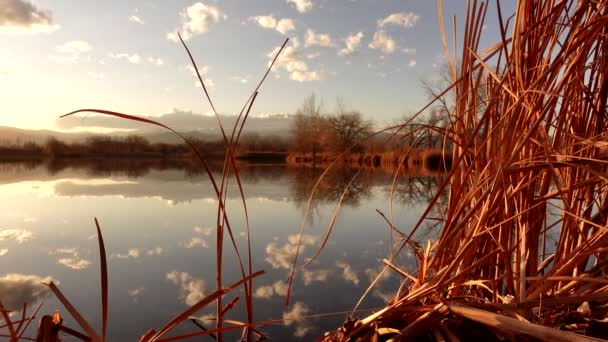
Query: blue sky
{"points": [[61, 55]]}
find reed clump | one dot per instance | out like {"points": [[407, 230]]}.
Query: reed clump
{"points": [[524, 240]]}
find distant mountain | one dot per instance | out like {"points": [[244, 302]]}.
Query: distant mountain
{"points": [[190, 125], [9, 135], [181, 121]]}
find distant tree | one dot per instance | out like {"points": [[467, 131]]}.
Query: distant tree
{"points": [[309, 128], [100, 145], [55, 148], [347, 128], [136, 143]]}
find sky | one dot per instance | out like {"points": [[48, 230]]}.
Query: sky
{"points": [[62, 55]]}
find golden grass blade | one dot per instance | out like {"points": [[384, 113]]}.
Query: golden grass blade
{"points": [[399, 270], [32, 317], [104, 281], [9, 323], [74, 313]]}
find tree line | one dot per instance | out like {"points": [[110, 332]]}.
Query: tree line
{"points": [[313, 131], [137, 146]]}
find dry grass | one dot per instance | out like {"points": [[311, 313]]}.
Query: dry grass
{"points": [[529, 164]]}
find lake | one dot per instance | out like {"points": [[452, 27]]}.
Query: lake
{"points": [[158, 223]]}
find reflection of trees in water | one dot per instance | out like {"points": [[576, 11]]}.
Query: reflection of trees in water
{"points": [[331, 186], [410, 190], [107, 167], [20, 166], [298, 182]]}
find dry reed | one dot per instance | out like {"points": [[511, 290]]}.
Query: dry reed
{"points": [[529, 136]]}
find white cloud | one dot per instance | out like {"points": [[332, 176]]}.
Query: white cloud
{"points": [[302, 6], [411, 63], [303, 76], [306, 240], [283, 256], [70, 52], [318, 39], [131, 58], [265, 21], [409, 51], [132, 253], [203, 71], [372, 273], [75, 263], [197, 19], [352, 42], [269, 22], [155, 251], [312, 276], [302, 330], [279, 288], [383, 42], [348, 273], [296, 314], [69, 251], [16, 289], [192, 290], [135, 294], [156, 61], [204, 230], [19, 235], [290, 59], [71, 258], [313, 55], [3, 251], [196, 242], [264, 292], [241, 79], [403, 19], [136, 19], [23, 17], [285, 25]]}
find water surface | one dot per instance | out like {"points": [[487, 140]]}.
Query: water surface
{"points": [[159, 222]]}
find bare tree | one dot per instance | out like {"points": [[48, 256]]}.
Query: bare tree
{"points": [[309, 127], [347, 128]]}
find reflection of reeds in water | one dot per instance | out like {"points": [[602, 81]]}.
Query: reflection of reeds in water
{"points": [[535, 139], [411, 162]]}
